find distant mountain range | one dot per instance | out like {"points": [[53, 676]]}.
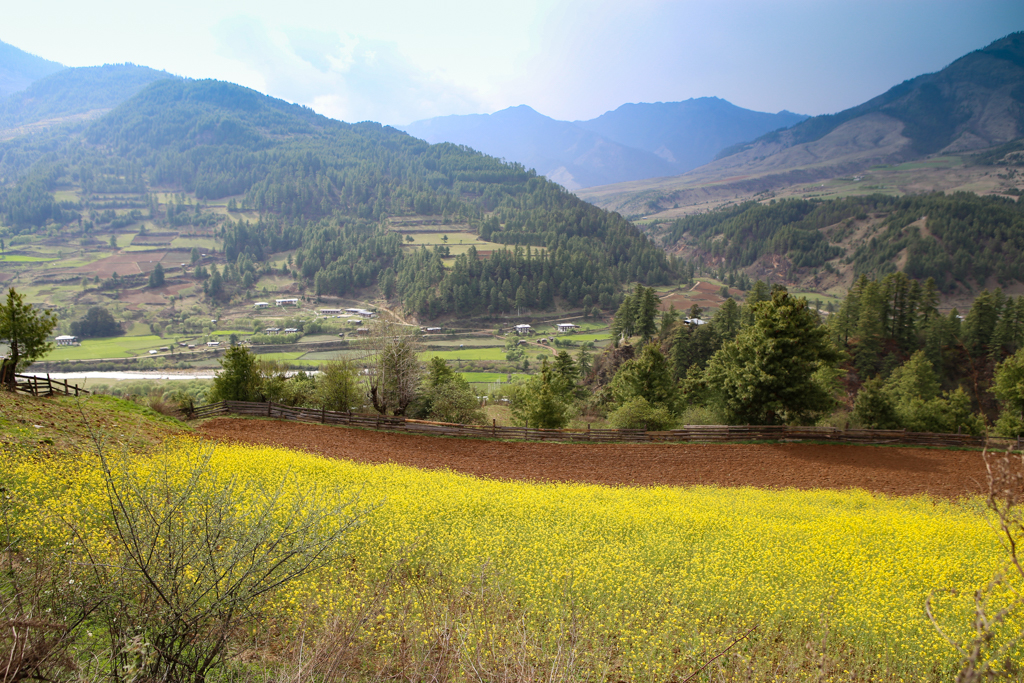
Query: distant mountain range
{"points": [[633, 142], [18, 69], [975, 103]]}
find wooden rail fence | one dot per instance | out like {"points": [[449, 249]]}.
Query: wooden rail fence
{"points": [[695, 433], [44, 386]]}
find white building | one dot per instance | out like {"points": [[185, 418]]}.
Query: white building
{"points": [[567, 327], [330, 311], [261, 304], [523, 329], [66, 340], [290, 330], [286, 302], [213, 343], [272, 330]]}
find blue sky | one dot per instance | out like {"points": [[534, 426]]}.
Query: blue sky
{"points": [[396, 61]]}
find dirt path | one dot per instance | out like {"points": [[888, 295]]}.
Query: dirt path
{"points": [[893, 471]]}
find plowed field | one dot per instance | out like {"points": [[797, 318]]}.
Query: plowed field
{"points": [[893, 471]]}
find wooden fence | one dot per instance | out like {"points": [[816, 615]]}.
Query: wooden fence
{"points": [[44, 386], [696, 433]]}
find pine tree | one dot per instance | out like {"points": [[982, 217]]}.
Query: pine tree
{"points": [[646, 307], [647, 375], [768, 374], [870, 330], [25, 330]]}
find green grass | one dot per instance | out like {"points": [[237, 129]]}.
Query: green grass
{"points": [[199, 242], [478, 342], [600, 336], [16, 258], [109, 347], [282, 356], [458, 242], [346, 354], [488, 377], [493, 353], [817, 296]]}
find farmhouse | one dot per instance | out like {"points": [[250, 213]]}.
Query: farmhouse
{"points": [[286, 302], [567, 327], [695, 321], [523, 329], [213, 343], [290, 330], [361, 312], [272, 330], [260, 304], [67, 340], [433, 330], [330, 311]]}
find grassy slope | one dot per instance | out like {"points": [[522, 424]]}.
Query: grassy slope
{"points": [[69, 424]]}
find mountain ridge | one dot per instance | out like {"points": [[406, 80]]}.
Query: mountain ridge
{"points": [[18, 69], [75, 91], [632, 142], [974, 103]]}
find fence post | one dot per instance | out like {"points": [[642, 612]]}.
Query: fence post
{"points": [[269, 403], [494, 427], [323, 415]]}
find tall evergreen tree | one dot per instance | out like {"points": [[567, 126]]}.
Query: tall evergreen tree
{"points": [[768, 374]]}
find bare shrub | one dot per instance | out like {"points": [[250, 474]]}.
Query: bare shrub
{"points": [[985, 656], [197, 553], [43, 605]]}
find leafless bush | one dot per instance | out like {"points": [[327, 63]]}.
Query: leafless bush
{"points": [[394, 368], [198, 551], [43, 606], [985, 656]]}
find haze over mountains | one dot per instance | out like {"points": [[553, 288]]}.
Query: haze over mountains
{"points": [[633, 142], [18, 69], [974, 103]]}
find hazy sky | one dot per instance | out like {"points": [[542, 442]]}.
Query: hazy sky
{"points": [[396, 61]]}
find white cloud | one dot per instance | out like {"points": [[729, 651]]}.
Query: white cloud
{"points": [[341, 76]]}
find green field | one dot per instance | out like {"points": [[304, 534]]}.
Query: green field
{"points": [[281, 356], [596, 337], [458, 242], [488, 377], [17, 258], [473, 342], [190, 242], [109, 347], [493, 353]]}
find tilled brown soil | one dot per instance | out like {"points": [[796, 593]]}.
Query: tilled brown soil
{"points": [[893, 471]]}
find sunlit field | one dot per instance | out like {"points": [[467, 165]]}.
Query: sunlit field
{"points": [[503, 579]]}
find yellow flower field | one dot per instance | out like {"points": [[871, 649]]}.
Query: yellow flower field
{"points": [[498, 579]]}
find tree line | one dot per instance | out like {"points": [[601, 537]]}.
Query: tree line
{"points": [[966, 238]]}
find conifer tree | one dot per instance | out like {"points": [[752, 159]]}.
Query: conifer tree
{"points": [[767, 375]]}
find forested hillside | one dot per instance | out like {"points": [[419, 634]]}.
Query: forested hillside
{"points": [[75, 91], [328, 189], [960, 238]]}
